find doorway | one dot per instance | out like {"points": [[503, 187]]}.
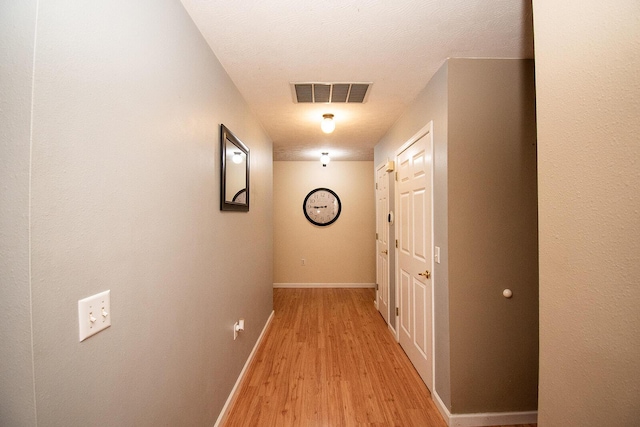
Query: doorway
{"points": [[414, 255], [383, 221]]}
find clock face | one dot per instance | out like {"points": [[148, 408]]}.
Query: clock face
{"points": [[322, 206]]}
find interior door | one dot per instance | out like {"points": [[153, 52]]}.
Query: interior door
{"points": [[414, 254], [382, 241]]}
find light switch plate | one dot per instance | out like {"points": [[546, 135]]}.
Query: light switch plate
{"points": [[437, 255], [94, 314]]}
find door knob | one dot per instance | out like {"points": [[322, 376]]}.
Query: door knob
{"points": [[384, 252], [426, 274]]}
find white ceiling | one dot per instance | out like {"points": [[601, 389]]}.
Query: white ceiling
{"points": [[396, 44]]}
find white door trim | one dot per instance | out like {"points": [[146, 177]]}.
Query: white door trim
{"points": [[425, 130], [386, 224]]}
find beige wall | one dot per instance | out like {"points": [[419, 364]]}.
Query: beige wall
{"points": [[492, 236], [119, 189], [17, 400], [485, 225], [588, 79], [343, 252]]}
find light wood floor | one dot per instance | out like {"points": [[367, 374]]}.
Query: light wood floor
{"points": [[328, 359]]}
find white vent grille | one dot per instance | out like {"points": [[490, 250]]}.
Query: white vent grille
{"points": [[330, 92]]}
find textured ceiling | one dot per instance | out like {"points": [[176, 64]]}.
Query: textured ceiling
{"points": [[398, 45]]}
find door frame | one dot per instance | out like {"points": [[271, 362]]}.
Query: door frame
{"points": [[424, 131], [386, 224]]}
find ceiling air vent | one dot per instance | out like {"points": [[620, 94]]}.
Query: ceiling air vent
{"points": [[330, 92]]}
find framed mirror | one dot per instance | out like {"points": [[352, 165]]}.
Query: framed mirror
{"points": [[234, 182]]}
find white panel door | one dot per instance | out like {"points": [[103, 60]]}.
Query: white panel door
{"points": [[414, 253], [382, 243]]}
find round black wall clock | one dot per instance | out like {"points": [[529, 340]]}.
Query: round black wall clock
{"points": [[322, 206]]}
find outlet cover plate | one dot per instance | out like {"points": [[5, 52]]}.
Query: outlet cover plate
{"points": [[94, 314]]}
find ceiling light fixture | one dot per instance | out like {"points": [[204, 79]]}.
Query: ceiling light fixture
{"points": [[237, 158], [327, 125], [324, 159]]}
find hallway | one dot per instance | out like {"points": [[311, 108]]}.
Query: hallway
{"points": [[329, 360]]}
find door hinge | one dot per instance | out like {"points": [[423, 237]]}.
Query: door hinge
{"points": [[396, 176], [376, 185], [396, 243], [376, 286], [397, 312], [376, 236]]}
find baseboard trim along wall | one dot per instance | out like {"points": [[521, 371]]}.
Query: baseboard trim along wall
{"points": [[236, 386], [483, 419], [324, 285]]}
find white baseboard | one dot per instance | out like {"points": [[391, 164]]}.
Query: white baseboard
{"points": [[493, 419], [483, 419], [324, 285], [232, 395], [441, 406]]}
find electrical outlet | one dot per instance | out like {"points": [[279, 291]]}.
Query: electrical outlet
{"points": [[94, 314], [303, 262]]}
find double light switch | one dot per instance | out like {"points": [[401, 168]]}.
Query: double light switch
{"points": [[94, 314]]}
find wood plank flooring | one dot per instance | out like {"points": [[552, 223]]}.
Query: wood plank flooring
{"points": [[328, 359]]}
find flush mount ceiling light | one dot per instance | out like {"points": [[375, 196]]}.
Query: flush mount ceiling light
{"points": [[327, 125], [324, 159], [237, 158]]}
